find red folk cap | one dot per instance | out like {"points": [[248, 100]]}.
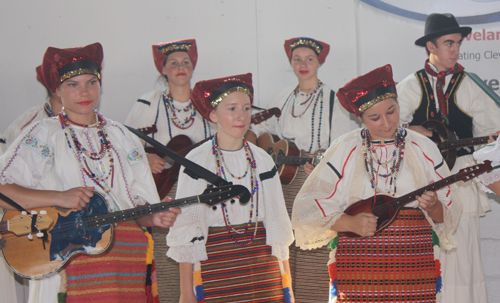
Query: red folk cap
{"points": [[321, 49], [207, 94], [61, 64], [162, 50], [39, 75], [363, 92]]}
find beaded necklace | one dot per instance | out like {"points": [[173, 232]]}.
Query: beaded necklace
{"points": [[99, 177], [395, 160], [206, 127], [254, 184], [309, 100], [319, 97], [169, 107]]}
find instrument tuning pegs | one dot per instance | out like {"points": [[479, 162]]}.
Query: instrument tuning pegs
{"points": [[39, 234], [43, 212], [24, 213], [30, 237], [34, 212]]}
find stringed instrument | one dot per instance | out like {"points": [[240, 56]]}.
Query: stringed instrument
{"points": [[264, 115], [447, 141], [182, 145], [286, 155], [26, 224], [386, 208], [89, 231]]}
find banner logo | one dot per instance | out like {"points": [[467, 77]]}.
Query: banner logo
{"points": [[467, 12]]}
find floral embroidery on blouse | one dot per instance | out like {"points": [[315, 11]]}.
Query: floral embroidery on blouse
{"points": [[41, 148], [134, 156]]}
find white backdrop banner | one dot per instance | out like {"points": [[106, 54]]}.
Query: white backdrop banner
{"points": [[404, 21]]}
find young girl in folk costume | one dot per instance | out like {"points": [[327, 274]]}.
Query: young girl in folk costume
{"points": [[232, 252], [399, 263], [60, 160], [311, 117], [171, 111]]}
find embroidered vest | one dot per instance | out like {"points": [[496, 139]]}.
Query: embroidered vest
{"points": [[459, 122]]}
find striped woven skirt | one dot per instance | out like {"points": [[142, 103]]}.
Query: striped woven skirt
{"points": [[117, 276], [235, 273], [396, 265]]}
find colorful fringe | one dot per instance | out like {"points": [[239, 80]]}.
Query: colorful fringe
{"points": [[235, 273], [396, 265], [116, 276], [151, 282]]}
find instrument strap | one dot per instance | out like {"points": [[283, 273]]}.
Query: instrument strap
{"points": [[332, 98], [200, 171], [484, 87], [12, 203], [256, 107]]}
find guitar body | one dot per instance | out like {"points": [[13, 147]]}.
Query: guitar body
{"points": [[167, 178], [385, 218], [273, 145], [441, 133], [68, 237], [386, 208], [89, 231]]}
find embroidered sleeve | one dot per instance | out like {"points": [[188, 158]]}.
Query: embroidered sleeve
{"points": [[135, 155], [28, 159], [37, 145], [319, 203], [279, 233]]}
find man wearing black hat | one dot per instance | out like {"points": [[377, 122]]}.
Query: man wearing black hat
{"points": [[442, 91]]}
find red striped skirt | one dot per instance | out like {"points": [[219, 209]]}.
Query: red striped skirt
{"points": [[117, 276], [235, 273], [396, 265]]}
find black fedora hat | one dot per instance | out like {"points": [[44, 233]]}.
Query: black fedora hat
{"points": [[437, 25]]}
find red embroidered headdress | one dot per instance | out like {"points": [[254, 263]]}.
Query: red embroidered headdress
{"points": [[207, 94], [321, 49], [61, 64], [365, 91], [39, 75], [162, 50]]}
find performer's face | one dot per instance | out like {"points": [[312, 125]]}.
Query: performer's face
{"points": [[232, 116], [79, 96], [445, 53], [382, 119], [305, 63], [178, 68]]}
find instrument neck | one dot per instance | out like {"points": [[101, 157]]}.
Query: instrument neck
{"points": [[297, 161], [141, 211], [464, 142]]}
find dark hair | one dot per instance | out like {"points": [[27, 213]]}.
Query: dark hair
{"points": [[434, 41], [165, 63], [49, 93]]}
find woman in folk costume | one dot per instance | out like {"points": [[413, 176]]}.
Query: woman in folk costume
{"points": [[171, 111], [401, 262], [311, 117], [60, 160], [33, 115], [232, 252]]}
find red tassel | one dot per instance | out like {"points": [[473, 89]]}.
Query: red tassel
{"points": [[332, 270]]}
